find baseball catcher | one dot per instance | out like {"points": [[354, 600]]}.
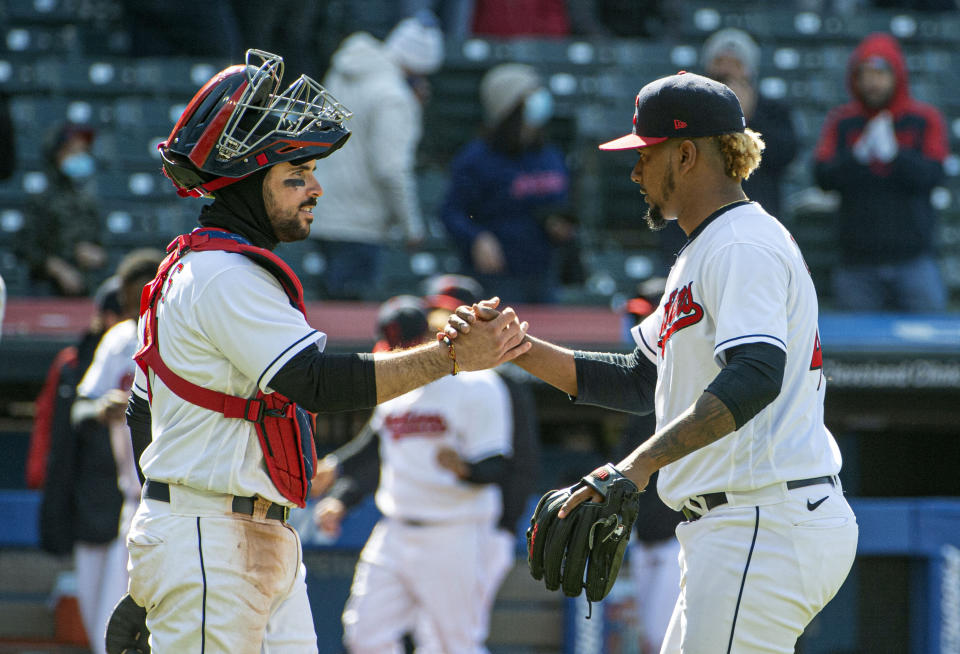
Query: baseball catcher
{"points": [[591, 539]]}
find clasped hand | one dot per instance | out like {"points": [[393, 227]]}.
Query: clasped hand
{"points": [[498, 337]]}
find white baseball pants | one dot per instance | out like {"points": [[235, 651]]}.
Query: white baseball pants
{"points": [[438, 581], [757, 570], [216, 582]]}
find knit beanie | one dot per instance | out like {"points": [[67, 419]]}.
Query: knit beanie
{"points": [[416, 44], [504, 87], [735, 43]]}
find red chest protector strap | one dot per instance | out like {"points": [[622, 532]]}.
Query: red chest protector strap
{"points": [[280, 432]]}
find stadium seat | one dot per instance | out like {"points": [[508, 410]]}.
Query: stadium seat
{"points": [[179, 77], [94, 75], [40, 40]]}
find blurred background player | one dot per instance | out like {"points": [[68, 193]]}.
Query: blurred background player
{"points": [[370, 191], [507, 208], [58, 460], [102, 398], [884, 152], [434, 562]]}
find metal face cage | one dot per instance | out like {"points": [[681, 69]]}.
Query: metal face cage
{"points": [[263, 113]]}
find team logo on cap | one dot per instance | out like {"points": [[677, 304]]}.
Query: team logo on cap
{"points": [[678, 124]]}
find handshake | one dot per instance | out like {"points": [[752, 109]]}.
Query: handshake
{"points": [[480, 337], [878, 141]]}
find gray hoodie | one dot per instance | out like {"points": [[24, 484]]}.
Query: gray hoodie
{"points": [[370, 185]]}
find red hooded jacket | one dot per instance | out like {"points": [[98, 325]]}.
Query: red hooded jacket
{"points": [[885, 211]]}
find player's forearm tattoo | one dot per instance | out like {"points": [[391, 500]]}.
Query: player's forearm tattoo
{"points": [[706, 421]]}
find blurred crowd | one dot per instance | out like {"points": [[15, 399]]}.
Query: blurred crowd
{"points": [[508, 211]]}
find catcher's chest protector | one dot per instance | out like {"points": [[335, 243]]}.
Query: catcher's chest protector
{"points": [[283, 429]]}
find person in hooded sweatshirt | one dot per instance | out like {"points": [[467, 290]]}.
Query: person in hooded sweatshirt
{"points": [[370, 189], [884, 152]]}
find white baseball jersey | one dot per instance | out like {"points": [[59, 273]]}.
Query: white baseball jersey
{"points": [[226, 324], [113, 368], [434, 563], [469, 413], [740, 279]]}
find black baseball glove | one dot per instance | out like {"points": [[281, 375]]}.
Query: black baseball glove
{"points": [[127, 628], [592, 538]]}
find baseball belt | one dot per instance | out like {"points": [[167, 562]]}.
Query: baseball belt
{"points": [[713, 500], [160, 491]]}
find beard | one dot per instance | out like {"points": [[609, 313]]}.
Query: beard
{"points": [[290, 228], [288, 225], [654, 216]]}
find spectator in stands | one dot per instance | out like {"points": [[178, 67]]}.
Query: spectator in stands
{"points": [[731, 56], [8, 144], [60, 237], [884, 151], [370, 190], [507, 208]]}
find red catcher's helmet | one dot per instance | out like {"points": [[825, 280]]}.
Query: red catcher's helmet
{"points": [[240, 122]]}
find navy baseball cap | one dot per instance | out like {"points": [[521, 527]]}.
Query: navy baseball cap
{"points": [[401, 322], [682, 105]]}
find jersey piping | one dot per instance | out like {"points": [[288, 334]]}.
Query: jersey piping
{"points": [[709, 219]]}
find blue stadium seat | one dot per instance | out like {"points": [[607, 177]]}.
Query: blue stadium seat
{"points": [[40, 40], [93, 75], [179, 77], [133, 146]]}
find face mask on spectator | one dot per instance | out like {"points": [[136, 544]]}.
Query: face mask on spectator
{"points": [[79, 165], [538, 108]]}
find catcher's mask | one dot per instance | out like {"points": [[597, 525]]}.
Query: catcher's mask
{"points": [[240, 122]]}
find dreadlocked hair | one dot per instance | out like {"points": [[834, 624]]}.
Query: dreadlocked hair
{"points": [[741, 152]]}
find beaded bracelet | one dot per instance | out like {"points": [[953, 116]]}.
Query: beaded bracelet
{"points": [[451, 352]]}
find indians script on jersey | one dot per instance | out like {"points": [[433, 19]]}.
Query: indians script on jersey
{"points": [[679, 311]]}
